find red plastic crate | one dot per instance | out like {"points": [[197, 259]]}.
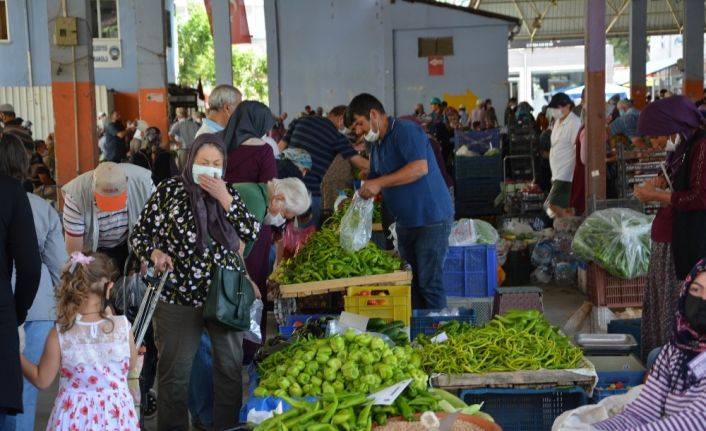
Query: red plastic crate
{"points": [[609, 291]]}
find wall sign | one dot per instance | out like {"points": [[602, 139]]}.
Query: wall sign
{"points": [[435, 65], [107, 53]]}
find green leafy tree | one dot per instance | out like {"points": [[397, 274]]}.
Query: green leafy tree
{"points": [[197, 59]]}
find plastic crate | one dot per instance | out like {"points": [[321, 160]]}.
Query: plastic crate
{"points": [[422, 323], [395, 305], [606, 290], [612, 369], [518, 298], [526, 409], [477, 190], [475, 209], [478, 167], [471, 271], [482, 307], [286, 331]]}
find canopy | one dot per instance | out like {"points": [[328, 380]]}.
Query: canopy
{"points": [[610, 91]]}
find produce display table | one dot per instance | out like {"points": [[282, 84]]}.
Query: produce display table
{"points": [[340, 284], [583, 376]]}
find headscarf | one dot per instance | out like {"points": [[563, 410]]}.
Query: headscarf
{"points": [[665, 117], [211, 220], [251, 119], [685, 338]]}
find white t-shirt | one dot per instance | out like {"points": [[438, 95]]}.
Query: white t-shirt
{"points": [[562, 156]]}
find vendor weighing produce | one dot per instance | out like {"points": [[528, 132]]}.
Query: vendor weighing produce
{"points": [[403, 168]]}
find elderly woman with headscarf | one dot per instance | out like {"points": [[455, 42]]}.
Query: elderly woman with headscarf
{"points": [[679, 228], [674, 397], [192, 224]]}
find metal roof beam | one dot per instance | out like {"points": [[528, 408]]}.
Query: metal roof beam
{"points": [[680, 28], [618, 13]]}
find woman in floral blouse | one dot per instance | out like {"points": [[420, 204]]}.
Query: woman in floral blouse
{"points": [[191, 224]]}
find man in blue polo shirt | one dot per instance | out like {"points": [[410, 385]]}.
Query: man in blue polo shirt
{"points": [[403, 167]]}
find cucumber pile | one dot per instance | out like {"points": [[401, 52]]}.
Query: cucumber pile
{"points": [[394, 330]]}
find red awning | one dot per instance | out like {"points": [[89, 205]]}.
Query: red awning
{"points": [[239, 30]]}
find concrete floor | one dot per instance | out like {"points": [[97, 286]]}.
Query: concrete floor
{"points": [[559, 304]]}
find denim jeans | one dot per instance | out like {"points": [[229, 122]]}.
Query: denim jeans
{"points": [[201, 384], [36, 333], [425, 249]]}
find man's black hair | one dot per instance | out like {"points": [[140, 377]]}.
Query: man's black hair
{"points": [[362, 104]]}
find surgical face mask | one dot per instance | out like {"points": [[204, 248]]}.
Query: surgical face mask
{"points": [[556, 114], [344, 131], [211, 171], [371, 136], [672, 143], [622, 112], [695, 313], [277, 220]]}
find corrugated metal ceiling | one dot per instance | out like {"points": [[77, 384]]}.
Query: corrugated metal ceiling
{"points": [[564, 19]]}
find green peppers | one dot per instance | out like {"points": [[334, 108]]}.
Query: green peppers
{"points": [[518, 340]]}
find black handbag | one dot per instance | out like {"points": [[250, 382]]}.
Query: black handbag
{"points": [[229, 299]]}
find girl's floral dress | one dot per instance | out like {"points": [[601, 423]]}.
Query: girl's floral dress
{"points": [[93, 392]]}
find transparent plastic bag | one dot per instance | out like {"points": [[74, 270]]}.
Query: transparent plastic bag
{"points": [[128, 293], [471, 232], [357, 224], [254, 334], [617, 239]]}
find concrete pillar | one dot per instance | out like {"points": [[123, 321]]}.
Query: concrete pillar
{"points": [[638, 53], [693, 49], [595, 96], [151, 64], [73, 92], [220, 11]]}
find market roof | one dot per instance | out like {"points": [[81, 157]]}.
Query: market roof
{"points": [[565, 19], [474, 11]]}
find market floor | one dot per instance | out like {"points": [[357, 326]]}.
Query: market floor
{"points": [[559, 304]]}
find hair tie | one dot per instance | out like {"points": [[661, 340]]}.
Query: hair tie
{"points": [[79, 258]]}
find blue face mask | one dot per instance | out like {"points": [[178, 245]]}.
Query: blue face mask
{"points": [[211, 171]]}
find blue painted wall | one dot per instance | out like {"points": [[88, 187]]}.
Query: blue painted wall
{"points": [[13, 55], [323, 52]]}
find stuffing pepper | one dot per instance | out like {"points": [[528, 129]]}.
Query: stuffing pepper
{"points": [[350, 371], [377, 343], [329, 374], [337, 343], [334, 363]]}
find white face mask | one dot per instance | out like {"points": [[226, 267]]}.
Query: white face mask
{"points": [[344, 131], [556, 114], [371, 136], [211, 171], [673, 143], [277, 220]]}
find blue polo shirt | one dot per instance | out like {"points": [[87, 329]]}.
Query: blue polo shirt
{"points": [[423, 202]]}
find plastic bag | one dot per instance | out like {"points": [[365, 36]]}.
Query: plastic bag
{"points": [[357, 224], [128, 293], [254, 334], [617, 239], [294, 238], [471, 232]]}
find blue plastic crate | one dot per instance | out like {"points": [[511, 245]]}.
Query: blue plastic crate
{"points": [[475, 209], [601, 393], [471, 271], [477, 190], [286, 331], [422, 323], [478, 167], [611, 369], [526, 409]]}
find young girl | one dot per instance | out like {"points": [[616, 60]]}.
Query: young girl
{"points": [[91, 349]]}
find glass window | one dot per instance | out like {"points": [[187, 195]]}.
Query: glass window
{"points": [[104, 16], [4, 31]]}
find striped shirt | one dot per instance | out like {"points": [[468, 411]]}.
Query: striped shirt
{"points": [[319, 137], [658, 408], [112, 226]]}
